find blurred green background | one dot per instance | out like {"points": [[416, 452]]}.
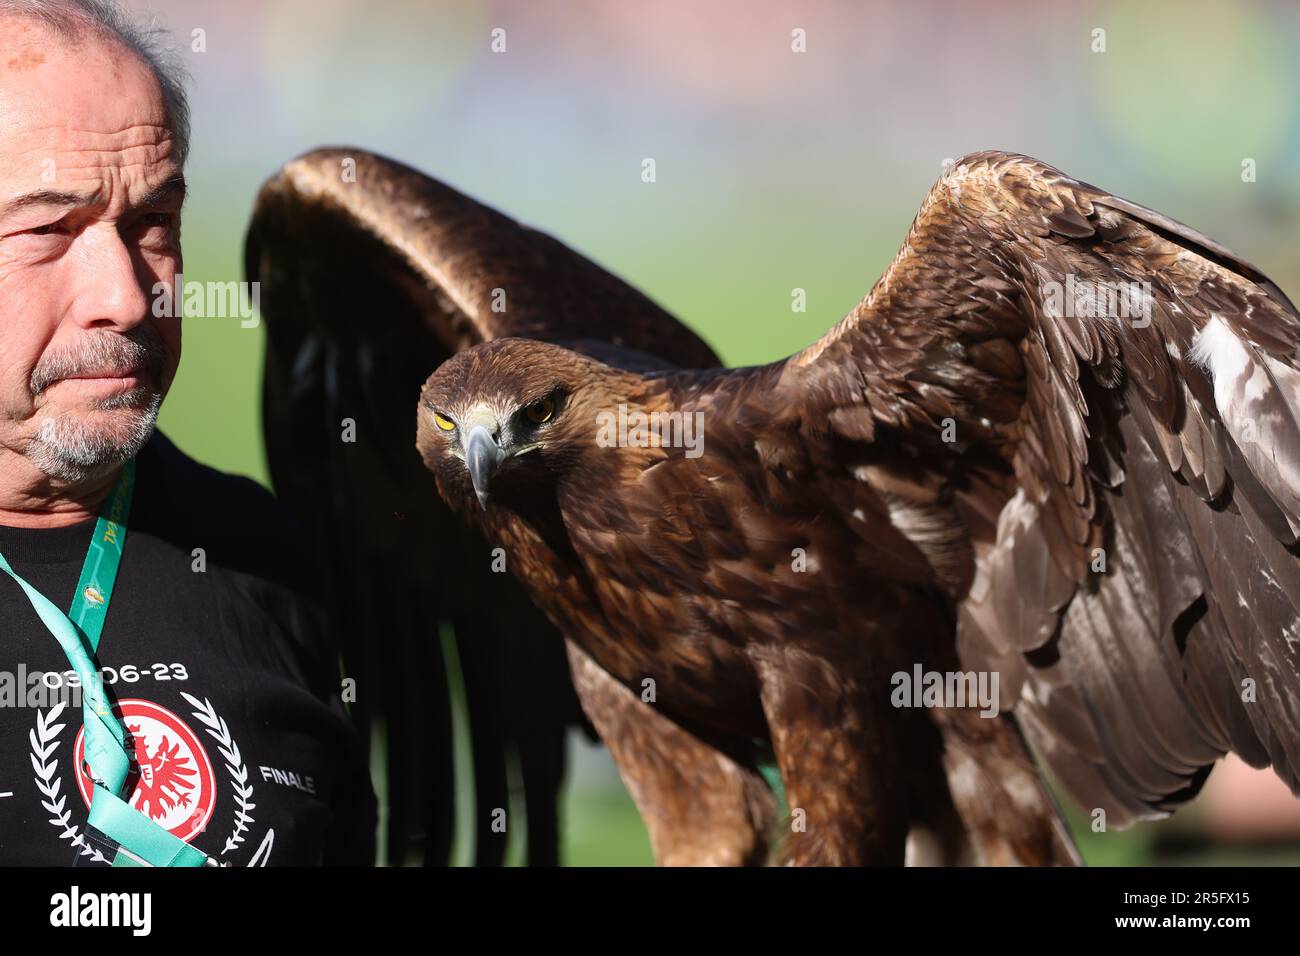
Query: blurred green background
{"points": [[775, 170]]}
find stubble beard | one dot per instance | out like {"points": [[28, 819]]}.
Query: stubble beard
{"points": [[76, 446], [72, 449]]}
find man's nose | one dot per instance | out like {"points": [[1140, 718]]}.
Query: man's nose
{"points": [[110, 282]]}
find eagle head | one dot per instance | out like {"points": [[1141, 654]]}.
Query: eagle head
{"points": [[507, 419]]}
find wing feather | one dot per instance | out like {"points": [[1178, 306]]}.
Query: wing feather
{"points": [[1144, 560], [476, 273]]}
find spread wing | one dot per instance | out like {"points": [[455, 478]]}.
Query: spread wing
{"points": [[372, 274], [1086, 418]]}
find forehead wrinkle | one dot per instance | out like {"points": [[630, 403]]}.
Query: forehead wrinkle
{"points": [[118, 150], [113, 131], [154, 153], [150, 181], [154, 141], [100, 167]]}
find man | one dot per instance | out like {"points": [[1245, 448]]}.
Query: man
{"points": [[212, 653]]}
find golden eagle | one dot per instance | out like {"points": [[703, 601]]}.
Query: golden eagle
{"points": [[1055, 445]]}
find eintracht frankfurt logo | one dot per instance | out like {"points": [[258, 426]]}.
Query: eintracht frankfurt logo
{"points": [[171, 780]]}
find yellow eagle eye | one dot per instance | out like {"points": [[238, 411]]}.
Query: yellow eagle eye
{"points": [[446, 424], [541, 411]]}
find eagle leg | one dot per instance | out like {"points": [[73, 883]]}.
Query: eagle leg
{"points": [[700, 806], [1010, 816], [836, 752]]}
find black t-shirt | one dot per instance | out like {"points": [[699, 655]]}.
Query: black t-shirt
{"points": [[215, 653]]}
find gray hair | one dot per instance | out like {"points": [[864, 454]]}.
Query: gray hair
{"points": [[106, 18]]}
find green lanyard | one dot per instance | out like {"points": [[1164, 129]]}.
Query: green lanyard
{"points": [[141, 842]]}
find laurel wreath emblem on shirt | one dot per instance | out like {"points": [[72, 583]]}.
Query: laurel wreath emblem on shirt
{"points": [[44, 739], [235, 766]]}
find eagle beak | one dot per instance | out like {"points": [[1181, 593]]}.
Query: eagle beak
{"points": [[482, 456]]}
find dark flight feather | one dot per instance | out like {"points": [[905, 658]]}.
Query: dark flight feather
{"points": [[372, 274]]}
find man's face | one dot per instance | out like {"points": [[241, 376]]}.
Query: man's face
{"points": [[90, 201]]}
